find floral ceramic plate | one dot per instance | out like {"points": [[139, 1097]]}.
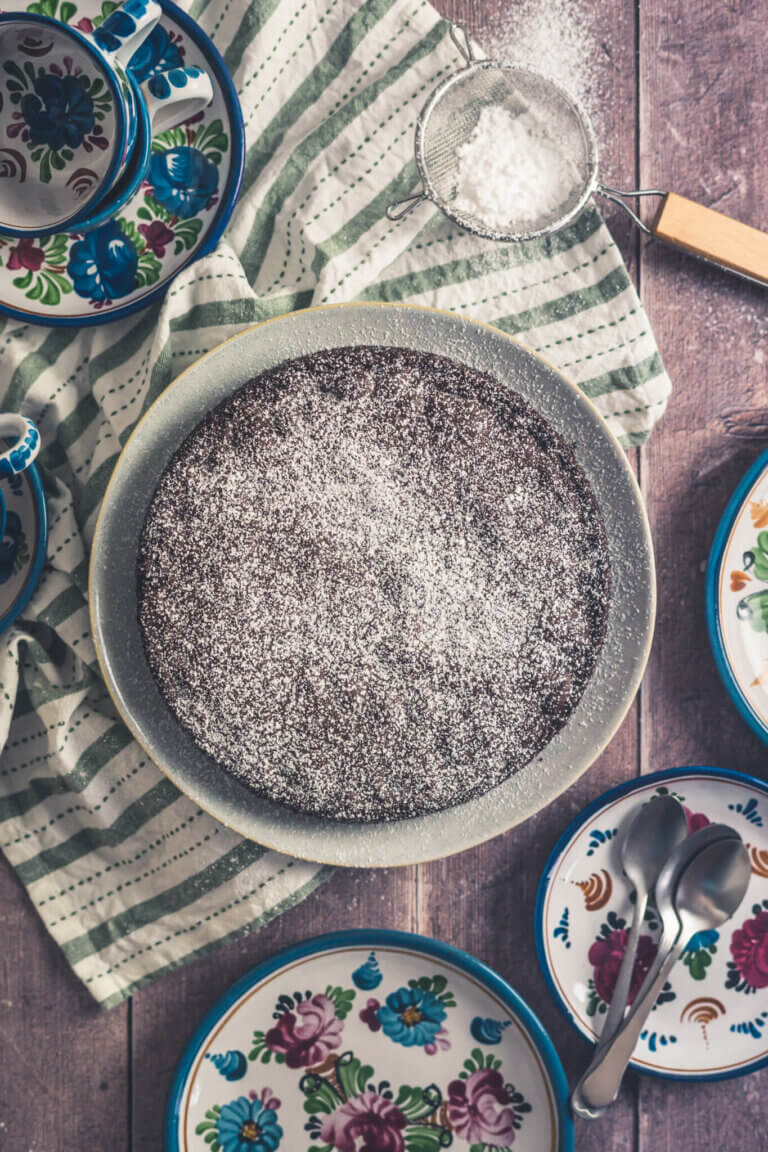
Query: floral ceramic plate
{"points": [[178, 214], [22, 547], [737, 597], [370, 1039], [711, 1019]]}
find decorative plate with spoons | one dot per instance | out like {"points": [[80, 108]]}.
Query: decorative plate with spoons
{"points": [[711, 1020]]}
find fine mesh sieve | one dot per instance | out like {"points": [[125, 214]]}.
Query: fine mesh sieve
{"points": [[450, 118]]}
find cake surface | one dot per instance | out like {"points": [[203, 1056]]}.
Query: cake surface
{"points": [[373, 583]]}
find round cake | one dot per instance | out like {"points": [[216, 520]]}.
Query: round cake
{"points": [[373, 583]]}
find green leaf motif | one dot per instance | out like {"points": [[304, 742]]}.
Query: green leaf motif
{"points": [[426, 1138], [353, 1075], [321, 1096], [187, 234], [418, 1103], [259, 1050], [341, 998]]}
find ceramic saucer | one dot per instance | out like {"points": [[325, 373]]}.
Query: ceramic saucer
{"points": [[22, 547], [177, 215], [369, 1034], [737, 597], [711, 1020]]}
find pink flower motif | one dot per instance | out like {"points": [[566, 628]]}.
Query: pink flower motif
{"points": [[157, 235], [477, 1109], [26, 254], [695, 820], [84, 24], [606, 955], [749, 948], [308, 1038], [365, 1123], [266, 1098], [370, 1014], [440, 1043]]}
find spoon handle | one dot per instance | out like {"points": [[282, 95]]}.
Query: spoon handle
{"points": [[600, 1086], [624, 980]]}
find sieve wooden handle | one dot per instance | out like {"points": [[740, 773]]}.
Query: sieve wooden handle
{"points": [[713, 236]]}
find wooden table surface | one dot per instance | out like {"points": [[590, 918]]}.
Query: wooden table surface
{"points": [[681, 103]]}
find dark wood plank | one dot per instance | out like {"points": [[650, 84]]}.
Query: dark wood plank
{"points": [[702, 77], [63, 1061], [166, 1014]]}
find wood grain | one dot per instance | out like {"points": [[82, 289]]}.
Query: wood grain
{"points": [[64, 1063], [702, 98], [73, 1079]]}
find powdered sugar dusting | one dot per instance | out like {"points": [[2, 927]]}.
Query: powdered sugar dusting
{"points": [[373, 583]]}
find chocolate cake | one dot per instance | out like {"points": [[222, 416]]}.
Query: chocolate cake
{"points": [[373, 583]]}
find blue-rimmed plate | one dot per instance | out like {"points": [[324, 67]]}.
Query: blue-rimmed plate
{"points": [[177, 215], [22, 547], [737, 597], [711, 1020], [370, 1039]]}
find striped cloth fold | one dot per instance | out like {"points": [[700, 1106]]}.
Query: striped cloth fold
{"points": [[129, 876]]}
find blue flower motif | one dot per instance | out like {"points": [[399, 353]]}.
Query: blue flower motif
{"points": [[412, 1016], [102, 266], [59, 113], [703, 940], [157, 53], [183, 179], [248, 1126]]}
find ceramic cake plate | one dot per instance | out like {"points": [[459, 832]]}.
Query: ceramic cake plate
{"points": [[711, 1020], [113, 598], [737, 597], [370, 1039], [177, 215], [22, 548]]}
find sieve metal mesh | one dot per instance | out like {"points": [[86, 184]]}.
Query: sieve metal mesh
{"points": [[451, 116]]}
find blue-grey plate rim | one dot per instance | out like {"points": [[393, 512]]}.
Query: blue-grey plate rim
{"points": [[380, 938], [226, 204], [714, 628], [120, 651], [32, 473], [570, 832]]}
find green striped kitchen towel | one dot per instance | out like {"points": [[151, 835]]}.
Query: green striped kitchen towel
{"points": [[130, 877]]}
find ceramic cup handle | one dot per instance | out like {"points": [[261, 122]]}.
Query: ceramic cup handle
{"points": [[26, 447], [176, 95], [126, 29]]}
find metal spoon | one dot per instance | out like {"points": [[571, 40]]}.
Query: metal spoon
{"points": [[653, 834], [654, 831], [710, 886]]}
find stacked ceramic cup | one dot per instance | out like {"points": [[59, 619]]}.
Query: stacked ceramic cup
{"points": [[81, 125]]}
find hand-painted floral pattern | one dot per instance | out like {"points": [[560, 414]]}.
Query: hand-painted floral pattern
{"points": [[58, 110], [247, 1124], [699, 952], [368, 1120], [184, 180], [413, 1016], [607, 953], [748, 970], [309, 1027], [305, 1037], [482, 1109], [351, 1113], [160, 51]]}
